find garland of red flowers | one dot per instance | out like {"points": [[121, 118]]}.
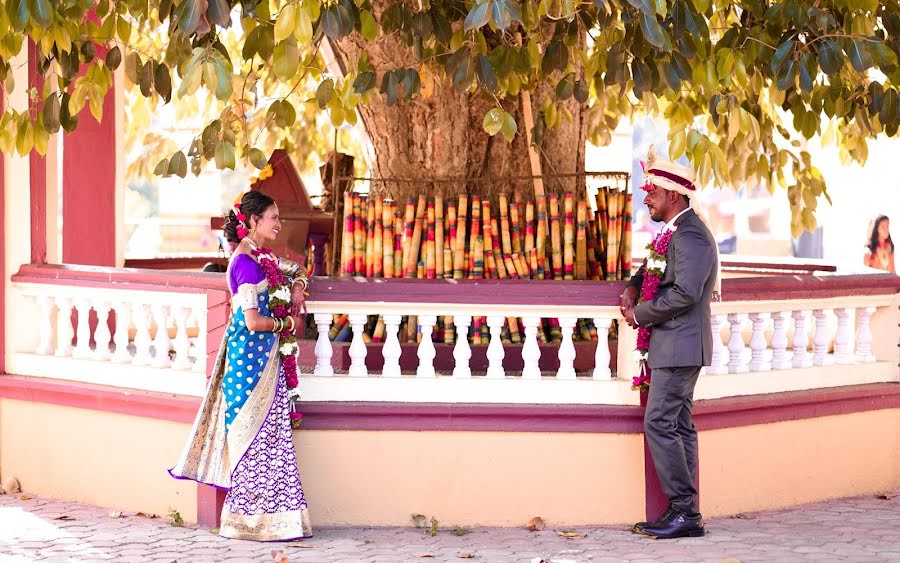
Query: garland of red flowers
{"points": [[654, 269], [279, 304]]}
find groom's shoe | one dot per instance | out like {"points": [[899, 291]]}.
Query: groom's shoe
{"points": [[641, 526], [678, 525]]}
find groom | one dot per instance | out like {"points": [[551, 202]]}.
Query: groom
{"points": [[680, 342]]}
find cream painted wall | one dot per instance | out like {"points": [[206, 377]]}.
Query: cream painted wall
{"points": [[787, 463], [471, 478], [99, 458]]}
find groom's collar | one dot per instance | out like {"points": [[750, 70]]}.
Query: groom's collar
{"points": [[676, 220]]}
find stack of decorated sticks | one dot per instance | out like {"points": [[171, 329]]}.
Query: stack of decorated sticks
{"points": [[464, 237]]}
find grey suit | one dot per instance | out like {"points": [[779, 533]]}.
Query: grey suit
{"points": [[680, 344]]}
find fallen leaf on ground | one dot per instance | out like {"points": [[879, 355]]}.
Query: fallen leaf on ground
{"points": [[465, 555], [460, 531], [423, 555], [115, 514], [570, 534], [11, 486], [536, 524], [63, 517], [419, 520], [743, 516], [301, 545], [278, 556], [885, 497], [147, 515], [25, 497], [214, 531], [539, 560], [731, 560]]}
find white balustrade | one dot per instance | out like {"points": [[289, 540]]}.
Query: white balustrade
{"points": [[842, 338], [426, 351], [780, 358], [101, 334], [82, 349], [601, 356], [718, 364], [864, 335], [566, 349], [358, 346], [63, 327], [391, 350], [121, 338], [801, 341], [161, 341], [495, 353], [45, 329], [531, 353], [736, 346], [140, 315], [323, 349], [182, 342], [821, 339], [462, 352], [758, 346]]}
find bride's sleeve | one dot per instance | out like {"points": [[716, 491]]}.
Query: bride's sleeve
{"points": [[246, 296]]}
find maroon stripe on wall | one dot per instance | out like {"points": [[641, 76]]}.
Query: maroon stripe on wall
{"points": [[38, 169]]}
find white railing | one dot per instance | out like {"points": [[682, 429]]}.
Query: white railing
{"points": [[158, 343]]}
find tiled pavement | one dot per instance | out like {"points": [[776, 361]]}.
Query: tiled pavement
{"points": [[858, 529]]}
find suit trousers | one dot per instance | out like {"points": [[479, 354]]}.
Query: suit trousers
{"points": [[671, 435]]}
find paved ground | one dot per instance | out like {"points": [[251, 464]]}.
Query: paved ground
{"points": [[859, 529]]}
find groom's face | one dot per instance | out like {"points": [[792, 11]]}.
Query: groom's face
{"points": [[657, 202]]}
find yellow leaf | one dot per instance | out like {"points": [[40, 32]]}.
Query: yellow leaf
{"points": [[286, 22], [303, 30], [115, 514], [570, 534], [25, 497], [465, 555], [41, 137]]}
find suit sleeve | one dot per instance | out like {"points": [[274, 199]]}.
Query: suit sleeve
{"points": [[638, 278], [694, 258]]}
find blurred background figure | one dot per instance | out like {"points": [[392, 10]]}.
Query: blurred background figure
{"points": [[880, 247]]}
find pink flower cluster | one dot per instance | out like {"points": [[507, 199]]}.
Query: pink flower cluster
{"points": [[649, 289], [241, 229], [280, 310]]}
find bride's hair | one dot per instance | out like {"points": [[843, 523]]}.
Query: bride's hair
{"points": [[252, 203]]}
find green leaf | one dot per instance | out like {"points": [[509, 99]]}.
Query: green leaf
{"points": [[193, 73], [478, 16], [493, 121], [781, 55], [177, 165], [642, 76], [787, 75], [806, 77], [485, 72], [225, 155], [286, 115], [581, 92], [390, 85], [41, 12], [509, 127], [411, 83], [188, 14], [364, 82], [500, 15], [286, 22], [145, 79], [368, 27], [303, 31], [859, 54], [162, 168], [464, 74], [331, 22], [18, 13], [224, 72], [324, 93], [133, 67], [653, 33], [831, 57], [68, 120], [50, 115], [258, 159], [677, 145], [888, 112], [286, 59]]}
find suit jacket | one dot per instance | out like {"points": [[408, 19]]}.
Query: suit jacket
{"points": [[680, 313]]}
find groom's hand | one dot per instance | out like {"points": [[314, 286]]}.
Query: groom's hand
{"points": [[628, 299], [629, 317]]}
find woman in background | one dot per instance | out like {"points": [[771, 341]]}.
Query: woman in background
{"points": [[881, 247]]}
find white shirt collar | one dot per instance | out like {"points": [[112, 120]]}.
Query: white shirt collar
{"points": [[670, 226]]}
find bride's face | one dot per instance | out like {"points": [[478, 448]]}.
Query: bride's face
{"points": [[268, 225]]}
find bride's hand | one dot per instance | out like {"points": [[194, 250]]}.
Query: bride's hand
{"points": [[297, 298]]}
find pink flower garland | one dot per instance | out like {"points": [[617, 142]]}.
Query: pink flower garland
{"points": [[280, 308], [654, 269]]}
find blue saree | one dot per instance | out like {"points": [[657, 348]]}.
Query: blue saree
{"points": [[241, 440]]}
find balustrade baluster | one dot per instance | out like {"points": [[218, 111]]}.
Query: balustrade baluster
{"points": [[182, 343], [736, 345], [601, 356], [161, 342], [495, 353], [142, 339], [531, 353], [566, 349], [120, 339], [199, 313], [801, 341], [864, 335], [426, 350], [323, 348], [63, 327], [45, 327], [462, 353], [820, 338], [82, 348], [780, 358], [842, 353], [718, 364], [357, 346], [101, 334], [758, 361]]}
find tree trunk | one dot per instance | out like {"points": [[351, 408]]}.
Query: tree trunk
{"points": [[436, 144]]}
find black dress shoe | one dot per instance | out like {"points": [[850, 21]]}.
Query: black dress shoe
{"points": [[641, 526], [678, 525]]}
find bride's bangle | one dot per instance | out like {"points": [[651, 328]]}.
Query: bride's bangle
{"points": [[291, 324]]}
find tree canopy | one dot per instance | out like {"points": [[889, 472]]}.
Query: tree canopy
{"points": [[743, 84]]}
